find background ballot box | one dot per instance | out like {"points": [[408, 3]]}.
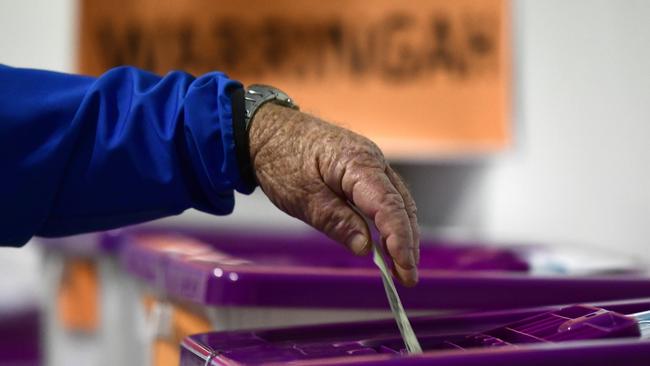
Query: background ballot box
{"points": [[88, 304], [557, 335], [196, 281], [19, 334]]}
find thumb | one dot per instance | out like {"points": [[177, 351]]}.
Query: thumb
{"points": [[333, 216]]}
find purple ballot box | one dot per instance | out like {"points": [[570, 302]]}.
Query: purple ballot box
{"points": [[201, 281], [20, 336], [570, 335], [197, 281]]}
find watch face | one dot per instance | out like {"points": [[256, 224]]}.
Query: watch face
{"points": [[258, 94]]}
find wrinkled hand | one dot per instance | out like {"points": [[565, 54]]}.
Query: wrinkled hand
{"points": [[315, 171]]}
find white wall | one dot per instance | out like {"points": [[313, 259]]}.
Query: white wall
{"points": [[38, 33], [580, 172]]}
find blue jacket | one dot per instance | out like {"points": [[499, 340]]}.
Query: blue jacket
{"points": [[80, 154]]}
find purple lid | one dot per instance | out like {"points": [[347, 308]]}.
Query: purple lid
{"points": [[148, 256], [257, 269], [446, 340], [578, 322]]}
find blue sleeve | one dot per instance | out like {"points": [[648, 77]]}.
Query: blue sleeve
{"points": [[80, 154]]}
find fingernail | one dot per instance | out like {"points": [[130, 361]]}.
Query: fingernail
{"points": [[411, 260], [408, 277], [358, 243]]}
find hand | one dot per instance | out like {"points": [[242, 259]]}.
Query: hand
{"points": [[316, 171]]}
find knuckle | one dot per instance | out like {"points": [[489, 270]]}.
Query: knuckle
{"points": [[373, 147], [319, 212], [341, 226], [364, 152], [373, 152], [366, 159], [393, 202], [411, 208], [338, 226], [329, 218]]}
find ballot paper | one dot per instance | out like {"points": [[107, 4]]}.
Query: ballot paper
{"points": [[405, 329]]}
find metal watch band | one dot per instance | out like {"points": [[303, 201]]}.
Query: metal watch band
{"points": [[259, 94]]}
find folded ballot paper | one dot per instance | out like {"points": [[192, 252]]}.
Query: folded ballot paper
{"points": [[405, 329]]}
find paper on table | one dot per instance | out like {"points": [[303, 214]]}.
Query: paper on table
{"points": [[405, 329], [644, 323]]}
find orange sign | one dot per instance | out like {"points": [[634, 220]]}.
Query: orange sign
{"points": [[420, 77]]}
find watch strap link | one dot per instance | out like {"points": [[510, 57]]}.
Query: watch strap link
{"points": [[260, 94]]}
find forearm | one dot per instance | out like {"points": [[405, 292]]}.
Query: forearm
{"points": [[82, 154]]}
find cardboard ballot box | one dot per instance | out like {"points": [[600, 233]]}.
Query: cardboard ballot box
{"points": [[196, 281], [90, 307], [556, 335]]}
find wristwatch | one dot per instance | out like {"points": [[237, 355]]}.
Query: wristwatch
{"points": [[259, 94], [245, 103]]}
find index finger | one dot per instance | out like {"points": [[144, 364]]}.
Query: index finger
{"points": [[373, 193]]}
